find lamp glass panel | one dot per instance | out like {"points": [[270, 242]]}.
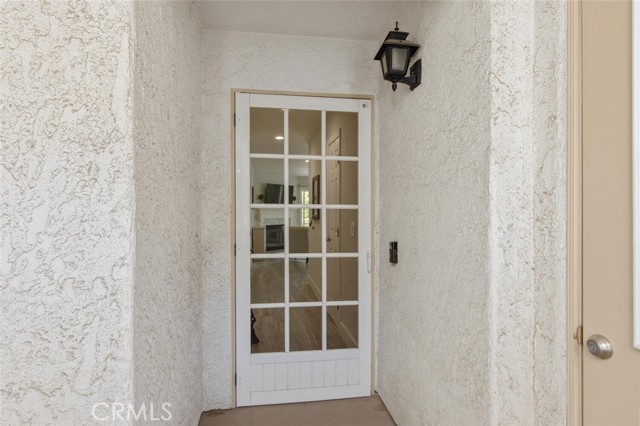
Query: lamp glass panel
{"points": [[399, 59]]}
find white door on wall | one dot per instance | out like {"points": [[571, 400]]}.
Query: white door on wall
{"points": [[303, 293]]}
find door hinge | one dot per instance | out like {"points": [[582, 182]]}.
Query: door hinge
{"points": [[578, 335], [236, 379], [235, 249], [234, 119]]}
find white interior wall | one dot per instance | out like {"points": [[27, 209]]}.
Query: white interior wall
{"points": [[168, 286], [266, 62]]}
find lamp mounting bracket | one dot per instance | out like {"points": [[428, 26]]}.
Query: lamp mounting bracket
{"points": [[415, 76]]}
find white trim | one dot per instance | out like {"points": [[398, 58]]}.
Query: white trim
{"points": [[243, 248], [324, 360], [339, 254], [323, 224], [636, 170], [317, 304], [267, 305], [300, 255], [303, 304], [305, 206], [266, 156], [329, 206], [304, 356], [342, 303], [365, 287], [302, 157], [301, 395], [287, 312], [305, 157], [267, 206], [341, 158], [267, 256], [301, 102]]}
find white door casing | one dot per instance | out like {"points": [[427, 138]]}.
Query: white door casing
{"points": [[290, 376]]}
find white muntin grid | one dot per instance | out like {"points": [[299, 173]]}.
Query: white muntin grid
{"points": [[287, 208]]}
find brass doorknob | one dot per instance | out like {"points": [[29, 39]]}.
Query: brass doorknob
{"points": [[600, 346]]}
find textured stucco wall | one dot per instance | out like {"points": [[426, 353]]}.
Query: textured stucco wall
{"points": [[434, 192], [528, 217], [471, 177], [168, 324], [253, 61], [66, 202], [472, 331], [550, 215]]}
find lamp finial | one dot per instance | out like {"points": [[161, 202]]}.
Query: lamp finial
{"points": [[397, 26]]}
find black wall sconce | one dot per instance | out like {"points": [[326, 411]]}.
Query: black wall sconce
{"points": [[394, 55]]}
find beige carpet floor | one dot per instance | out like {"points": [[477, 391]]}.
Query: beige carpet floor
{"points": [[343, 412]]}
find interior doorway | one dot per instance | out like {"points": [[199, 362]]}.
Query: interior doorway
{"points": [[303, 244]]}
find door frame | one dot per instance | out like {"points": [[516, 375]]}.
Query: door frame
{"points": [[574, 214], [374, 220]]}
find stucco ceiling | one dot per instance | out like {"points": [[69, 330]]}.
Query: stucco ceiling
{"points": [[358, 20]]}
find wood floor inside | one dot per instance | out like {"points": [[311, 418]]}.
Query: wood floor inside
{"points": [[305, 325]]}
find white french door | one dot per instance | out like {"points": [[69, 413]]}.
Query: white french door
{"points": [[303, 287]]}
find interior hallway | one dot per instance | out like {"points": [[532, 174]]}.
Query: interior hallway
{"points": [[342, 412]]}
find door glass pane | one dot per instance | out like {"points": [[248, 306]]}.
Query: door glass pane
{"points": [[305, 239], [267, 181], [342, 133], [305, 279], [342, 327], [342, 279], [301, 220], [342, 230], [305, 132], [267, 230], [306, 235], [267, 281], [305, 329], [268, 330], [267, 131], [301, 173], [342, 182]]}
